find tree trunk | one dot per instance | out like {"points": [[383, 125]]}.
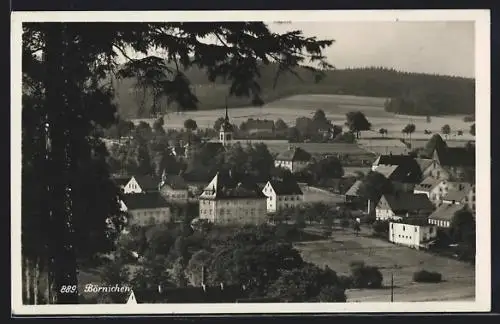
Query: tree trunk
{"points": [[62, 259], [27, 282], [36, 276]]}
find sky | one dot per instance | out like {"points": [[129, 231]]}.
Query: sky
{"points": [[445, 48]]}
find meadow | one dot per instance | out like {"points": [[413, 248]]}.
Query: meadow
{"points": [[344, 247]]}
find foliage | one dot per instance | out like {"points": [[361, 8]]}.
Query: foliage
{"points": [[427, 276], [114, 273], [409, 129], [463, 227], [382, 131], [151, 274], [435, 143], [280, 125], [346, 137], [194, 267], [364, 276], [446, 130], [357, 122], [325, 168], [307, 283], [469, 118], [381, 228], [190, 124], [472, 129], [374, 185]]}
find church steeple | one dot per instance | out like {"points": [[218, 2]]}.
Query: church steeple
{"points": [[226, 130]]}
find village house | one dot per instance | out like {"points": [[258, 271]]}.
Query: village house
{"points": [[282, 194], [173, 188], [392, 160], [457, 161], [352, 195], [433, 188], [121, 181], [461, 193], [141, 184], [145, 208], [432, 168], [401, 205], [443, 215], [294, 159], [414, 233], [233, 199], [403, 177]]}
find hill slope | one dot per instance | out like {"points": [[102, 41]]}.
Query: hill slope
{"points": [[442, 95]]}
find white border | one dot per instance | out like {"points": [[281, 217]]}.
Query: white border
{"points": [[482, 69]]}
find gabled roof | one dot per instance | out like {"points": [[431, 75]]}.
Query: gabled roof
{"points": [[457, 156], [406, 202], [446, 212], [386, 170], [226, 185], [428, 184], [457, 191], [393, 160], [424, 163], [353, 191], [121, 180], [288, 187], [294, 154], [150, 200], [148, 183], [176, 182]]}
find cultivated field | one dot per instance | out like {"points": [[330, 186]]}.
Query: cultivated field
{"points": [[345, 247], [312, 194]]}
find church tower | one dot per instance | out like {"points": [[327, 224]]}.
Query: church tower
{"points": [[226, 131]]}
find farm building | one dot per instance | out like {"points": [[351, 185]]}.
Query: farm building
{"points": [[282, 194], [403, 177], [431, 168], [402, 205], [141, 184], [415, 234], [146, 208], [461, 193], [294, 159], [393, 160], [233, 199], [121, 181], [352, 194], [433, 188], [443, 215]]}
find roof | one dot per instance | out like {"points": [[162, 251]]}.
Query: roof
{"points": [[457, 191], [226, 124], [226, 185], [294, 154], [424, 163], [214, 294], [121, 180], [428, 184], [412, 220], [176, 182], [446, 211], [147, 183], [457, 156], [149, 200], [386, 170], [353, 191], [289, 187], [405, 202], [393, 160]]}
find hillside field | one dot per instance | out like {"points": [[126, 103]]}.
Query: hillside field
{"points": [[335, 108]]}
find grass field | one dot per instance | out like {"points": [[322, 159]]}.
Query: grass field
{"points": [[345, 247], [312, 194]]}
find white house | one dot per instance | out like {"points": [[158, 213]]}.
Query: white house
{"points": [[443, 215], [146, 208], [174, 188], [230, 199], [401, 205], [141, 184], [282, 194], [433, 188], [461, 193], [416, 234], [294, 159]]}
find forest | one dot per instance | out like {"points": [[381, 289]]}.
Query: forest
{"points": [[406, 93]]}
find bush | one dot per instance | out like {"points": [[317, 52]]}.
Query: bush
{"points": [[381, 228], [345, 282], [364, 276], [427, 276]]}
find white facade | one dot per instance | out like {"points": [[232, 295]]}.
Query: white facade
{"points": [[440, 223], [414, 236], [174, 194], [234, 210], [226, 138], [132, 187], [293, 166], [277, 202], [147, 216]]}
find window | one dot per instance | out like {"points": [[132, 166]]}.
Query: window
{"points": [[415, 229], [392, 225], [403, 228]]}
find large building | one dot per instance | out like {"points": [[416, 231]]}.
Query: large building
{"points": [[294, 159], [141, 184], [461, 193], [174, 188], [231, 199], [403, 205], [282, 194], [443, 215], [146, 208], [433, 188], [412, 233]]}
